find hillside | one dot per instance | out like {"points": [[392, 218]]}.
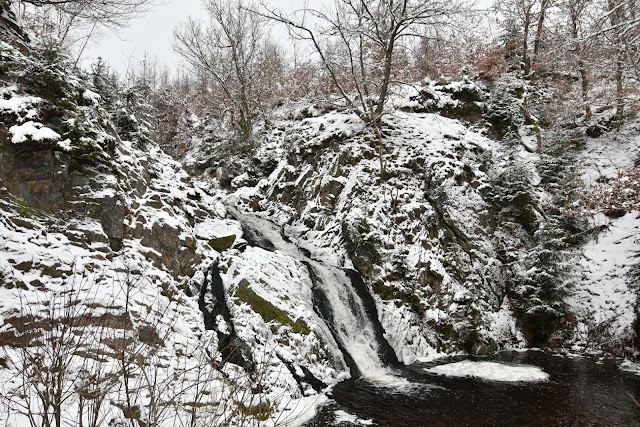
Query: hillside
{"points": [[241, 295]]}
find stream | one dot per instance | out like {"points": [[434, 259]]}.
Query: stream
{"points": [[579, 392]]}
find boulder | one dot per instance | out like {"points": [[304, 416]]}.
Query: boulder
{"points": [[222, 243]]}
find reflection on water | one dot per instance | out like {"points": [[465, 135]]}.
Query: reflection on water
{"points": [[579, 392]]}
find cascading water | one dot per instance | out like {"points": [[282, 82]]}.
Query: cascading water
{"points": [[349, 322], [352, 322]]}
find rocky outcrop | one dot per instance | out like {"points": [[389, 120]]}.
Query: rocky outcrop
{"points": [[9, 29], [421, 238]]}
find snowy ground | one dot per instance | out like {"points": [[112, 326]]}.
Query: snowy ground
{"points": [[491, 371], [604, 299]]}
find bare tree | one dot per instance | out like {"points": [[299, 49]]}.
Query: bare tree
{"points": [[575, 11], [527, 19], [230, 48], [620, 25], [54, 358], [106, 12], [358, 42]]}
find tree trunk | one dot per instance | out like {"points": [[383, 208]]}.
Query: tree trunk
{"points": [[584, 80], [526, 66], [616, 20], [388, 62], [619, 88], [582, 69], [538, 37], [533, 121]]}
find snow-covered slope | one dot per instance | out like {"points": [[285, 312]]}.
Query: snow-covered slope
{"points": [[421, 236], [451, 267], [605, 298], [106, 250]]}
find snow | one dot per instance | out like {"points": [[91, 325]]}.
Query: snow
{"points": [[631, 366], [212, 228], [65, 145], [283, 281], [491, 371], [345, 417], [300, 411], [503, 328], [604, 299], [430, 153], [18, 105], [32, 131], [90, 95]]}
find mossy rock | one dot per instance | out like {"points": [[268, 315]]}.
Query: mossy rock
{"points": [[390, 293], [384, 291], [268, 311], [468, 94], [222, 243], [261, 411], [26, 209]]}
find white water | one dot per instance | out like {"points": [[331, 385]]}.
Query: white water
{"points": [[491, 371], [350, 320]]}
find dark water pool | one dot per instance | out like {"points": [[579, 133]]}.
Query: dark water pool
{"points": [[579, 392]]}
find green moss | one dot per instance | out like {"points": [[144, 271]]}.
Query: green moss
{"points": [[222, 243], [260, 412], [26, 209], [268, 311]]}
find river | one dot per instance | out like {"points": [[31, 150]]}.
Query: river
{"points": [[580, 391]]}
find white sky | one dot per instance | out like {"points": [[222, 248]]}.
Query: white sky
{"points": [[152, 34]]}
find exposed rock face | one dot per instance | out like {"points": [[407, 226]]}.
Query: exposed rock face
{"points": [[9, 29], [33, 173], [422, 237], [362, 247]]}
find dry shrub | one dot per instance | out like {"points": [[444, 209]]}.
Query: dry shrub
{"points": [[615, 198], [489, 61]]}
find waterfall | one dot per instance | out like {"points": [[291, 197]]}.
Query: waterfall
{"points": [[349, 321], [349, 313]]}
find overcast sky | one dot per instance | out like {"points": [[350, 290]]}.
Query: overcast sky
{"points": [[152, 33]]}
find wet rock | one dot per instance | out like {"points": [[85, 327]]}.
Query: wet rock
{"points": [[330, 191], [170, 248], [213, 305], [485, 347], [33, 174], [112, 219]]}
